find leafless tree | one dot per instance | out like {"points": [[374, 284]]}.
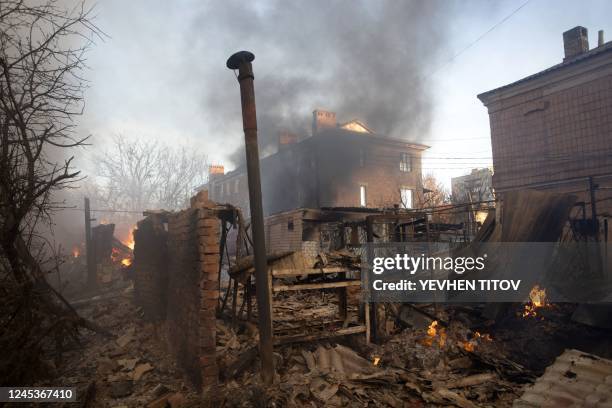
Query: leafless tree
{"points": [[435, 193], [42, 59], [138, 174]]}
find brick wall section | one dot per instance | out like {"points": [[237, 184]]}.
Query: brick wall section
{"points": [[284, 232], [554, 137], [150, 268], [555, 130], [192, 293]]}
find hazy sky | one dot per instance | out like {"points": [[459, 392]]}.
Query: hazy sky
{"points": [[161, 73]]}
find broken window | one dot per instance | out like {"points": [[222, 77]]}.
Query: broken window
{"points": [[290, 225], [362, 196], [405, 162], [406, 197]]}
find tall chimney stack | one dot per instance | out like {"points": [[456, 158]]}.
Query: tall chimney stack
{"points": [[600, 38], [575, 42], [216, 170], [323, 119]]}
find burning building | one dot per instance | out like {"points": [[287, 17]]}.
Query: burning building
{"points": [[552, 130], [339, 165]]}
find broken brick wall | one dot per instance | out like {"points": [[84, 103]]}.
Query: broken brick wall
{"points": [[193, 267], [176, 264], [150, 267]]}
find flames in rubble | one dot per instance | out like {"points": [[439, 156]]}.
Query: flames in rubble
{"points": [[435, 334], [537, 300], [477, 338], [129, 241], [118, 257], [76, 251]]}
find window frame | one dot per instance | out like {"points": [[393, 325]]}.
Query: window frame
{"points": [[405, 165], [402, 203]]}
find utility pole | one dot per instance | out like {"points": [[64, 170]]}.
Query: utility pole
{"points": [[242, 62], [91, 266]]}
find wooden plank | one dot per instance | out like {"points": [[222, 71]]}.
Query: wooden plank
{"points": [[278, 340], [306, 271], [322, 285], [342, 299]]}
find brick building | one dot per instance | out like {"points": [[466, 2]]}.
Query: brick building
{"points": [[340, 165], [473, 187], [553, 130]]}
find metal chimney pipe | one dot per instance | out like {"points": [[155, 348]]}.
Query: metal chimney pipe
{"points": [[600, 38], [242, 62]]}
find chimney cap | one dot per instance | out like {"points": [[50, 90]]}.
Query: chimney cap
{"points": [[238, 58]]}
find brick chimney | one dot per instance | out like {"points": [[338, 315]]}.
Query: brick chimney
{"points": [[575, 42], [216, 170], [286, 138], [323, 119]]}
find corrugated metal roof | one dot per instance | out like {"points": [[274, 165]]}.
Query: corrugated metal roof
{"points": [[575, 379]]}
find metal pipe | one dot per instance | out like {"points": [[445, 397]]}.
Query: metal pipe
{"points": [[242, 62]]}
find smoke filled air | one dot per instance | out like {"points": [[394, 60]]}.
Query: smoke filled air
{"points": [[363, 60]]}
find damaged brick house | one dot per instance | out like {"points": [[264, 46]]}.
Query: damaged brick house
{"points": [[339, 165], [553, 130]]}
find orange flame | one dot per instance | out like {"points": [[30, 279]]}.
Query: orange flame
{"points": [[126, 262], [115, 255], [537, 300], [477, 338], [76, 251], [129, 241], [435, 333]]}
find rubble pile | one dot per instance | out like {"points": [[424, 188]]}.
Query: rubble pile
{"points": [[128, 368], [407, 370]]}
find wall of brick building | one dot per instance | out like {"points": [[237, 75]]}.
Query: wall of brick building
{"points": [[190, 293], [326, 170], [554, 131], [344, 166]]}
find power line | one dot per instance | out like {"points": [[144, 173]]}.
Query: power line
{"points": [[499, 23], [105, 210]]}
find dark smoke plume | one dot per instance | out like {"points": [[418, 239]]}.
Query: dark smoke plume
{"points": [[364, 60]]}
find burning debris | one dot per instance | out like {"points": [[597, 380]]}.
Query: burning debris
{"points": [[537, 300], [435, 334], [470, 345], [76, 251], [129, 240]]}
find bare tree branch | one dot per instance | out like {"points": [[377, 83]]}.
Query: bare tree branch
{"points": [[42, 57]]}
